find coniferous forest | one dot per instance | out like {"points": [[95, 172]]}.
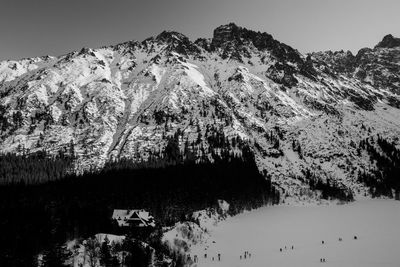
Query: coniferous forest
{"points": [[43, 204], [39, 217], [382, 178]]}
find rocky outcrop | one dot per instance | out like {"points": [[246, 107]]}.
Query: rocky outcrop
{"points": [[389, 42], [378, 67]]}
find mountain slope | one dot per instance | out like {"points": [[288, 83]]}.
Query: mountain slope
{"points": [[303, 116]]}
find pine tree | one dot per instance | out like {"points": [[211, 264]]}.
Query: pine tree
{"points": [[105, 255], [53, 258]]}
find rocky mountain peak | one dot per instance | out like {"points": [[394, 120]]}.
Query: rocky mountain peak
{"points": [[171, 37], [225, 33], [388, 42], [176, 42], [238, 43], [86, 51], [232, 33]]}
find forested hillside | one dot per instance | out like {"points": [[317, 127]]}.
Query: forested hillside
{"points": [[37, 218]]}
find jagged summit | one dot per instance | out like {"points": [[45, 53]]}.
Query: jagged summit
{"points": [[171, 36], [240, 44], [374, 66], [388, 42], [229, 33], [175, 42], [226, 33]]}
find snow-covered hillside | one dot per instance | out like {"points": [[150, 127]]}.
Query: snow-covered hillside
{"points": [[297, 112]]}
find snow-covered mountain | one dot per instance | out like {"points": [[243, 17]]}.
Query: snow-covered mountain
{"points": [[299, 113]]}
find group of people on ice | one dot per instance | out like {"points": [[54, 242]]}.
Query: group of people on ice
{"points": [[246, 255], [322, 242], [292, 247], [196, 259]]}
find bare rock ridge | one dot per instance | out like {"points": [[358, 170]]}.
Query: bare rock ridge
{"points": [[327, 118], [235, 37], [389, 42], [378, 66]]}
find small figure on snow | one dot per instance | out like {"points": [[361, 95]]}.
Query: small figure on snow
{"points": [[323, 242], [355, 237], [219, 257], [280, 249]]}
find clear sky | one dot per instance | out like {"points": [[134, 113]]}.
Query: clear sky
{"points": [[40, 27]]}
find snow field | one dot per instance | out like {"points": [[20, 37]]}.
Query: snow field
{"points": [[264, 231]]}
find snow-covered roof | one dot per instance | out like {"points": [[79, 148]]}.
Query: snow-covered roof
{"points": [[127, 217]]}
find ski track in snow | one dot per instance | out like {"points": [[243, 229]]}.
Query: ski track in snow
{"points": [[264, 231]]}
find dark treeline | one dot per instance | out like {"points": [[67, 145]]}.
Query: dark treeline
{"points": [[383, 178], [36, 217], [33, 168], [329, 188]]}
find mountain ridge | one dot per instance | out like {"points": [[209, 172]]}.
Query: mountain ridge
{"points": [[297, 112]]}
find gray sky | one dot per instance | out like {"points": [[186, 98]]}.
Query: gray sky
{"points": [[39, 27]]}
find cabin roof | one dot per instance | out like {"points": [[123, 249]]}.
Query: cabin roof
{"points": [[125, 217]]}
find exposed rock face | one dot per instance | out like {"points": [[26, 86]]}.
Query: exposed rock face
{"points": [[336, 62], [389, 42], [176, 42], [237, 43], [130, 100], [378, 67]]}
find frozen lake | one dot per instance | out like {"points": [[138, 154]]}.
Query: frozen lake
{"points": [[262, 232]]}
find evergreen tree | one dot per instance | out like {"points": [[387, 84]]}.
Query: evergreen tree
{"points": [[53, 257], [105, 255]]}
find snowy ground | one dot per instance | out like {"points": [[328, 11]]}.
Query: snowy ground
{"points": [[263, 232]]}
